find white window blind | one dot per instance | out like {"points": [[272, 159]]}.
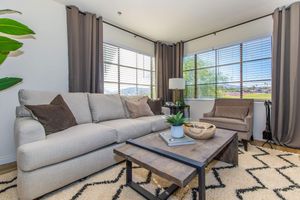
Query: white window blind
{"points": [[127, 72], [238, 71]]}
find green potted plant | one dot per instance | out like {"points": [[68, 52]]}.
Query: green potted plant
{"points": [[176, 121], [9, 31]]}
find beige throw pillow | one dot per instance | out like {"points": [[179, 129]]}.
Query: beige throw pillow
{"points": [[235, 112], [139, 108]]}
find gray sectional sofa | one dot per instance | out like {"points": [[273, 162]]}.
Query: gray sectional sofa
{"points": [[48, 162]]}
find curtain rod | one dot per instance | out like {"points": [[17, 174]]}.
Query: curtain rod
{"points": [[229, 27], [118, 27]]}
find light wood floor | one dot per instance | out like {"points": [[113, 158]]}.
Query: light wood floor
{"points": [[278, 147], [8, 167], [13, 166]]}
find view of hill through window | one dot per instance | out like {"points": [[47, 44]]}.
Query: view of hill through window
{"points": [[127, 72], [238, 71]]}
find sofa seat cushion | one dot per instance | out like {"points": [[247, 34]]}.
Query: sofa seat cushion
{"points": [[158, 122], [227, 123], [128, 128], [64, 145]]}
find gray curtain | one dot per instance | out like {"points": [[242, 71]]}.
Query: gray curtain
{"points": [[285, 120], [85, 43], [169, 64]]}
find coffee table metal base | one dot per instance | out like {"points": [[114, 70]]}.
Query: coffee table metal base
{"points": [[169, 191], [165, 195]]}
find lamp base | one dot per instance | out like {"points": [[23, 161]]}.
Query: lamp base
{"points": [[176, 96]]}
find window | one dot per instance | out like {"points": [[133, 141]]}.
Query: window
{"points": [[127, 72], [238, 71]]}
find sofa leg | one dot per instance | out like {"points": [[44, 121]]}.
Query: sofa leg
{"points": [[245, 143]]}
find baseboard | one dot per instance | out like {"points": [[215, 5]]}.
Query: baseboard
{"points": [[7, 159]]}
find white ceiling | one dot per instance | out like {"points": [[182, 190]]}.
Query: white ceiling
{"points": [[175, 20]]}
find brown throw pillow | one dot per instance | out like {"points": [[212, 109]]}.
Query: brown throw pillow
{"points": [[54, 117], [139, 108], [235, 112], [155, 106]]}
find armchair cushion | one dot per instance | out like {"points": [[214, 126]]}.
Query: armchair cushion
{"points": [[234, 112], [227, 123]]}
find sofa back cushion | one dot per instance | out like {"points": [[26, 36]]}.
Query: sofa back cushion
{"points": [[55, 116], [77, 102], [235, 112], [139, 108], [129, 98], [106, 107], [155, 106]]}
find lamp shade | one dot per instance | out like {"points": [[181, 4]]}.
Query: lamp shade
{"points": [[176, 84]]}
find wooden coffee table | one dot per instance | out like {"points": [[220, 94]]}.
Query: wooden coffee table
{"points": [[178, 164]]}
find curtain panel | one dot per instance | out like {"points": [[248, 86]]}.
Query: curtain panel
{"points": [[169, 64], [85, 46], [285, 76]]}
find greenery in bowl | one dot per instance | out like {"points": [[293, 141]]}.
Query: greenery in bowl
{"points": [[176, 120]]}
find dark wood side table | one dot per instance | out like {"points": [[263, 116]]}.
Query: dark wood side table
{"points": [[174, 109]]}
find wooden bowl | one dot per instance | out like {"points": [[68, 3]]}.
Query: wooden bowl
{"points": [[199, 130]]}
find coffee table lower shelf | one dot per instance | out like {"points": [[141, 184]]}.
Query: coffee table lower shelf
{"points": [[148, 195]]}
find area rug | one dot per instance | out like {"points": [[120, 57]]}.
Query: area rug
{"points": [[262, 174]]}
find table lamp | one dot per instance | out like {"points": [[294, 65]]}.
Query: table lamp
{"points": [[176, 84]]}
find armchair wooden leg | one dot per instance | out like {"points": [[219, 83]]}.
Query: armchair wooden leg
{"points": [[245, 143]]}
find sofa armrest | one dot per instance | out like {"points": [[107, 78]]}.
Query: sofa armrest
{"points": [[28, 130], [209, 114], [165, 110]]}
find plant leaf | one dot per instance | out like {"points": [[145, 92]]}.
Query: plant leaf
{"points": [[7, 44], [9, 11], [12, 27], [3, 56], [8, 82]]}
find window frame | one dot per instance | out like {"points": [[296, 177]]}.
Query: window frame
{"points": [[137, 69], [216, 66]]}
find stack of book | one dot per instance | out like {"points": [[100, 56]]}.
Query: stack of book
{"points": [[167, 137]]}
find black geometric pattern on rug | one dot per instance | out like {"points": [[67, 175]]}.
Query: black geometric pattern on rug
{"points": [[120, 189], [84, 187], [216, 174], [115, 180], [8, 182], [250, 171], [277, 191], [280, 170]]}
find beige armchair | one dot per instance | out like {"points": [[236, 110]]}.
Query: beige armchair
{"points": [[233, 114]]}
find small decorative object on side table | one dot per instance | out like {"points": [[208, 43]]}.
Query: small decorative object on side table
{"points": [[178, 107]]}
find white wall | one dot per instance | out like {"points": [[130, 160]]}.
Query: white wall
{"points": [[199, 107], [253, 30], [249, 31], [126, 40], [43, 66]]}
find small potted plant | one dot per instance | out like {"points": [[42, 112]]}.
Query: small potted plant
{"points": [[176, 122]]}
